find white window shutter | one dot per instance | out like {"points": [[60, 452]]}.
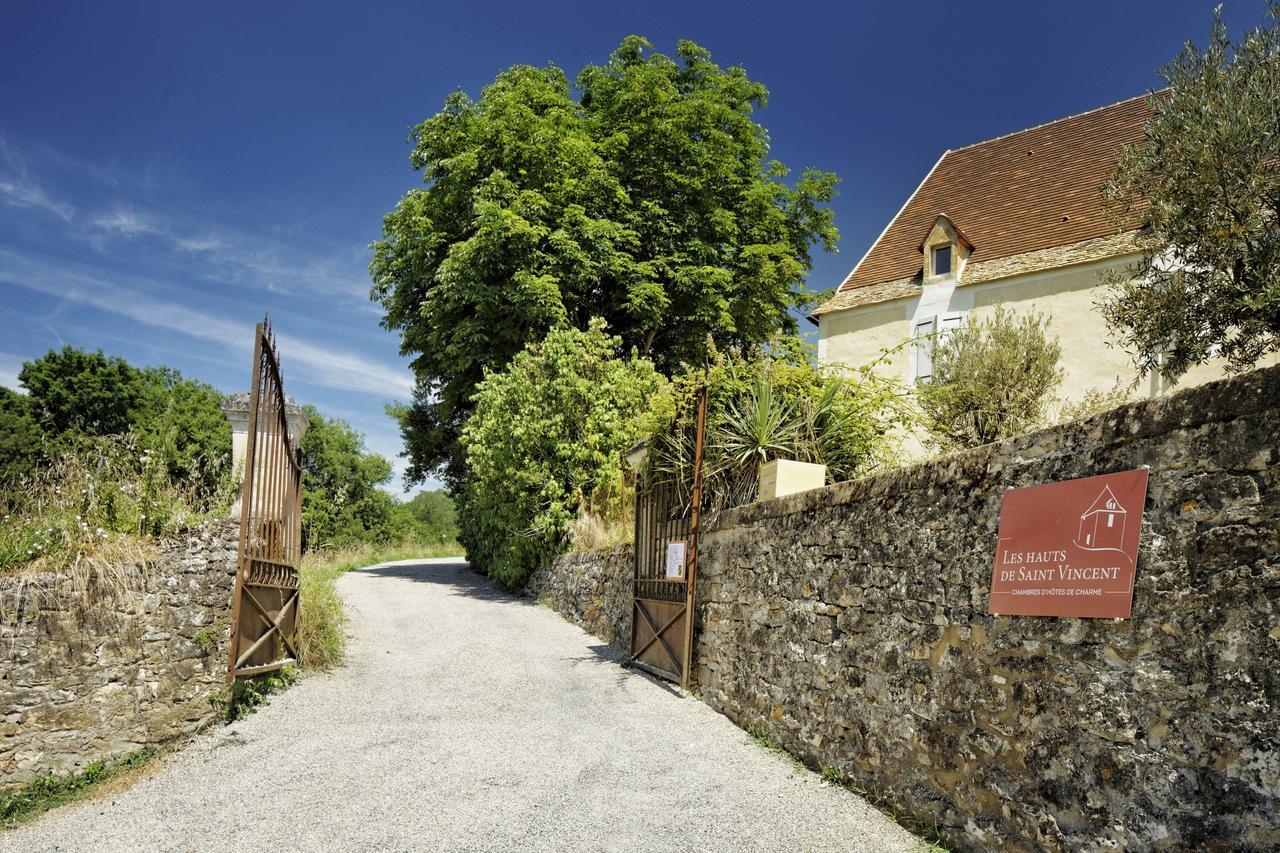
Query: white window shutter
{"points": [[924, 350]]}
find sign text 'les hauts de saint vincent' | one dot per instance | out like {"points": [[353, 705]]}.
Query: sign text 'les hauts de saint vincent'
{"points": [[1070, 548]]}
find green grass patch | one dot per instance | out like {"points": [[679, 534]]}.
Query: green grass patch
{"points": [[244, 697], [50, 791]]}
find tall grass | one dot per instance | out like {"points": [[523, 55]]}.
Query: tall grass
{"points": [[96, 504], [92, 515], [322, 621]]}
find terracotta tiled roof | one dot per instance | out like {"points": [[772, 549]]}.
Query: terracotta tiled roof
{"points": [[1031, 190]]}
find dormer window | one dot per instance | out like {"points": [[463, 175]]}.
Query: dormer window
{"points": [[945, 250], [942, 260]]}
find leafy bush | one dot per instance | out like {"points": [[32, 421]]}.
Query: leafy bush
{"points": [[546, 438], [991, 380], [21, 439], [431, 517], [342, 503], [181, 422], [85, 392], [1093, 401], [777, 403]]}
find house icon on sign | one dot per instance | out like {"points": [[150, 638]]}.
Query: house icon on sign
{"points": [[1102, 524]]}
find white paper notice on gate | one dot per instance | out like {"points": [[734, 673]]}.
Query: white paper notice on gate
{"points": [[675, 559]]}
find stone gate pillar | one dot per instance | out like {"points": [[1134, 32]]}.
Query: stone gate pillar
{"points": [[236, 409]]}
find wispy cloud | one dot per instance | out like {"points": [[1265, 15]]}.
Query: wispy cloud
{"points": [[232, 255], [126, 223], [19, 192], [351, 371], [129, 212], [10, 364], [19, 189], [325, 366]]}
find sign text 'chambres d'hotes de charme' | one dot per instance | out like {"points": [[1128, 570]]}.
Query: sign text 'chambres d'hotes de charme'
{"points": [[1070, 548]]}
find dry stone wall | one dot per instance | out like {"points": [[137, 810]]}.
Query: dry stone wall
{"points": [[136, 668], [850, 624], [591, 589]]}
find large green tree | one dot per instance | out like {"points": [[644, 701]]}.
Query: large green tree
{"points": [[1207, 180], [642, 194], [77, 392], [182, 420]]}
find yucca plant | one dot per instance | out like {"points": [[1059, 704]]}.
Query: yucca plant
{"points": [[761, 427], [776, 404]]}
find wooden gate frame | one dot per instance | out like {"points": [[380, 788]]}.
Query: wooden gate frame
{"points": [[264, 635], [656, 617]]}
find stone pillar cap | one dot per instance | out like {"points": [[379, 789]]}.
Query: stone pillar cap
{"points": [[238, 404]]}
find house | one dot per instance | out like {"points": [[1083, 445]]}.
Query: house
{"points": [[1017, 221], [1102, 524]]}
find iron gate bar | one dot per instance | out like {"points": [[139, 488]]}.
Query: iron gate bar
{"points": [[691, 568], [662, 517], [270, 527]]}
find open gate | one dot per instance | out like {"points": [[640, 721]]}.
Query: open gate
{"points": [[264, 606], [666, 567]]}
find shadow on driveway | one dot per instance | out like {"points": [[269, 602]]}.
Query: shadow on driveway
{"points": [[455, 573]]}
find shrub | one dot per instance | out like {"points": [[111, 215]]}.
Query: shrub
{"points": [[1094, 401], [546, 438], [342, 503], [777, 403], [991, 380], [21, 439], [73, 392]]}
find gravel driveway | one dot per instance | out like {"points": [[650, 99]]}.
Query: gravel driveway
{"points": [[466, 719]]}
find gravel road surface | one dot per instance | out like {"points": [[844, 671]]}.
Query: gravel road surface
{"points": [[467, 719]]}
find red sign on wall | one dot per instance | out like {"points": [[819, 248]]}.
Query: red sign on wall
{"points": [[1070, 548]]}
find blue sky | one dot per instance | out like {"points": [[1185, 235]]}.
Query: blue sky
{"points": [[170, 171]]}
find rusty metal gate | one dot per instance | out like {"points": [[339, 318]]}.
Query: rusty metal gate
{"points": [[264, 606], [666, 567]]}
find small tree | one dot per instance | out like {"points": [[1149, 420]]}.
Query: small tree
{"points": [[342, 503], [547, 436], [1207, 182], [991, 380]]}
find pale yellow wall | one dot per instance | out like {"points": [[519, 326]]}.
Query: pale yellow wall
{"points": [[1067, 297], [856, 336]]}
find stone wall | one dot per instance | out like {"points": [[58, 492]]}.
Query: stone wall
{"points": [[591, 589], [850, 624], [137, 668]]}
